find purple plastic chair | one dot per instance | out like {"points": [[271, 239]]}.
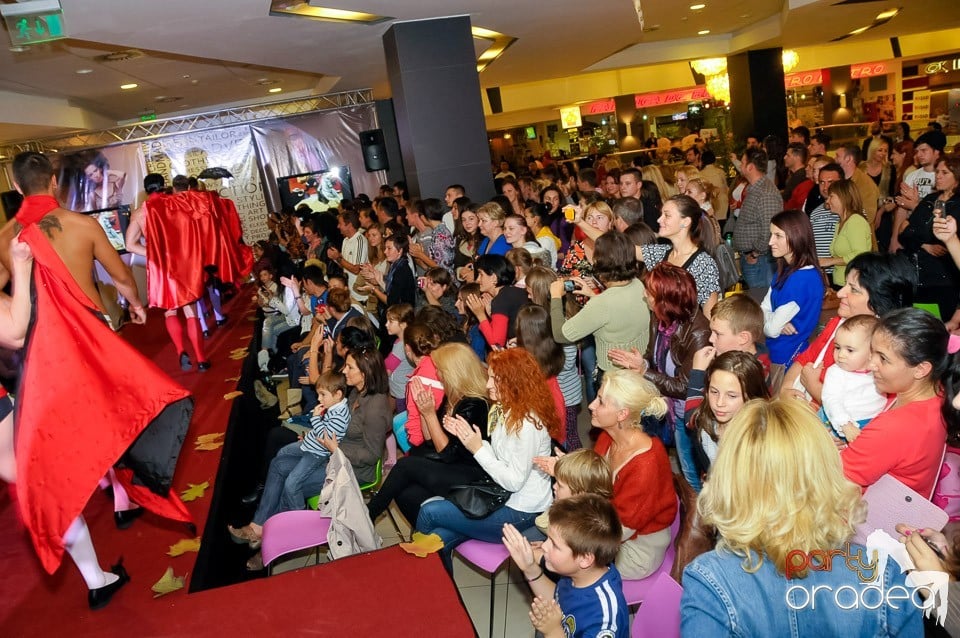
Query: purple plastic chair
{"points": [[659, 615], [292, 531], [635, 591], [489, 557]]}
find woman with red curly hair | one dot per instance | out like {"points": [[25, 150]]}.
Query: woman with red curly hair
{"points": [[522, 421], [681, 331]]}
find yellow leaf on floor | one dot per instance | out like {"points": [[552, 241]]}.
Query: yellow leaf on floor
{"points": [[193, 492], [183, 546], [232, 395], [423, 544], [210, 445], [167, 583], [208, 438]]}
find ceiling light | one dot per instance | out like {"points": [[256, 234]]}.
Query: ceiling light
{"points": [[790, 60], [697, 7], [127, 87], [507, 136], [886, 15], [84, 71], [18, 49], [305, 10], [710, 66], [859, 31], [703, 32], [275, 89]]}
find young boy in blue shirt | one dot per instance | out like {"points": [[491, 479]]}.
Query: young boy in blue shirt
{"points": [[582, 541]]}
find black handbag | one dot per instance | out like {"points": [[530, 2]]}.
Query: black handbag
{"points": [[478, 499]]}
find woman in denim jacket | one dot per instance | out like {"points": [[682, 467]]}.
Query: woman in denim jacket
{"points": [[776, 494]]}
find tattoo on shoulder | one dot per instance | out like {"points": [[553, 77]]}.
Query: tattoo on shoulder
{"points": [[48, 224]]}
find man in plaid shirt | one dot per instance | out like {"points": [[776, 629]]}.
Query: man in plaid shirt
{"points": [[761, 201]]}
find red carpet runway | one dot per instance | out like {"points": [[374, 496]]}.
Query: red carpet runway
{"points": [[361, 596]]}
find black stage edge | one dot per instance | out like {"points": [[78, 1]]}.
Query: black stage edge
{"points": [[220, 561]]}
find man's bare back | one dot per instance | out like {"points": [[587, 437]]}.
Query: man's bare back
{"points": [[78, 240]]}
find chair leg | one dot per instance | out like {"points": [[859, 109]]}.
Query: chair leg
{"points": [[493, 589]]}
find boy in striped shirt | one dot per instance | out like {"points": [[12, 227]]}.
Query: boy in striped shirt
{"points": [[330, 419]]}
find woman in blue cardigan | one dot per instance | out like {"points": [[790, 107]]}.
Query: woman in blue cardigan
{"points": [[792, 306]]}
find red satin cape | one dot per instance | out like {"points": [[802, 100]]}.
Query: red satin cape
{"points": [[185, 232], [85, 396]]}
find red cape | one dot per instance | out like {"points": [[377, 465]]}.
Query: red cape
{"points": [[236, 262], [185, 232], [85, 398]]}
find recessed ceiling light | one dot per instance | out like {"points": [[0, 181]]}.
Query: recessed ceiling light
{"points": [[703, 32], [18, 49], [697, 7], [306, 10], [859, 31], [186, 76], [275, 89], [886, 15], [84, 71], [127, 87]]}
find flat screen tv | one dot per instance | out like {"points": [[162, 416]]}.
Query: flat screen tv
{"points": [[114, 222], [320, 190]]}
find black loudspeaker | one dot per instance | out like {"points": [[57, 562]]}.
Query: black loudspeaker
{"points": [[374, 150], [11, 201], [496, 102]]}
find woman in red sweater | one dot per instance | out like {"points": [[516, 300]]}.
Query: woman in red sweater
{"points": [[908, 359], [643, 492]]}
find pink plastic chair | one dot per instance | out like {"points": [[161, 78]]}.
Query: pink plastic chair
{"points": [[659, 615], [635, 591], [292, 531], [489, 557]]}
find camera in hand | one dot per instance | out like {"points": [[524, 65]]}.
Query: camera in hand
{"points": [[569, 286]]}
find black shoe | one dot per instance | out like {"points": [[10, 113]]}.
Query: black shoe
{"points": [[254, 496], [125, 518], [203, 366], [206, 334], [222, 322], [99, 597], [185, 363]]}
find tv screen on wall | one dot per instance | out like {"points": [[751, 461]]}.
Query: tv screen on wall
{"points": [[320, 190], [114, 222]]}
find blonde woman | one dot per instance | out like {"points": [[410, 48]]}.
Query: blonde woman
{"points": [[443, 462], [683, 175], [652, 174], [578, 261], [776, 494], [491, 218], [643, 492]]}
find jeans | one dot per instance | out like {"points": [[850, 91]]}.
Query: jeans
{"points": [[681, 437], [760, 274], [588, 363], [445, 519], [296, 368], [293, 475]]}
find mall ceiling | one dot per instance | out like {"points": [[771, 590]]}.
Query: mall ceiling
{"points": [[193, 56]]}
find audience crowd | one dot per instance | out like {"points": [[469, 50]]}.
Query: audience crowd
{"points": [[452, 342]]}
